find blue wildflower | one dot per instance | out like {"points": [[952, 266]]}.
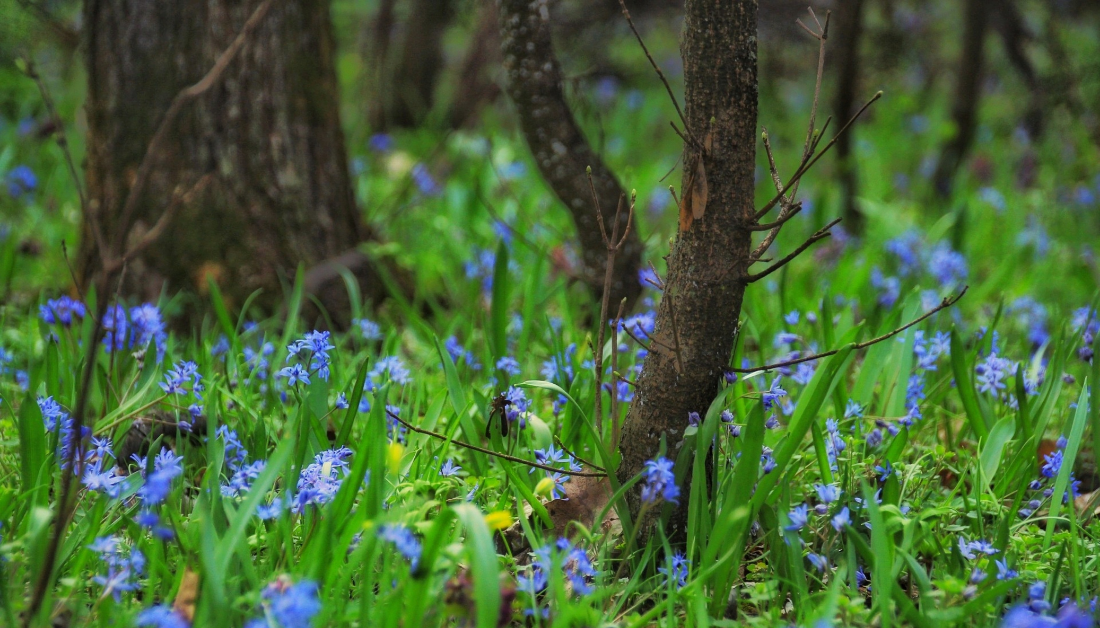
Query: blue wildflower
{"points": [[660, 482]]}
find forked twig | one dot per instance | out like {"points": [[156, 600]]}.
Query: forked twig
{"points": [[818, 235], [613, 243], [810, 164], [944, 304]]}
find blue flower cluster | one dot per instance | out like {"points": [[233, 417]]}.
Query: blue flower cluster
{"points": [[123, 567], [288, 605], [143, 325], [561, 555], [404, 541], [660, 482]]}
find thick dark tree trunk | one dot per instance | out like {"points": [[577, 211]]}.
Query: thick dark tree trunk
{"points": [[476, 86], [534, 82], [968, 90], [710, 258], [405, 94], [847, 35], [269, 133], [1009, 23]]}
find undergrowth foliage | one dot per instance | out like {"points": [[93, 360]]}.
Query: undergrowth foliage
{"points": [[452, 470], [911, 481]]}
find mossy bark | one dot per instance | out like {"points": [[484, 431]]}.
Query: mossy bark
{"points": [[269, 131], [704, 287], [533, 80]]}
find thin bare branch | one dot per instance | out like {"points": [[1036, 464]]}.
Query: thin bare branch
{"points": [[59, 125], [944, 304], [490, 452], [806, 167], [675, 334], [818, 235], [656, 68], [795, 209]]}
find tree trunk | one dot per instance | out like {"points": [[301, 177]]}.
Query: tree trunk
{"points": [[967, 96], [476, 86], [1009, 23], [410, 93], [849, 31], [709, 261], [533, 81], [269, 132]]}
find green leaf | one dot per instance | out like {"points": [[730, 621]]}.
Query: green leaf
{"points": [[1069, 456], [994, 446], [498, 308], [482, 558], [965, 386]]}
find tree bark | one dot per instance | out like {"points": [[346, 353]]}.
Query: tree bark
{"points": [[710, 257], [849, 31], [1009, 23], [269, 132], [533, 80], [968, 90], [409, 95]]}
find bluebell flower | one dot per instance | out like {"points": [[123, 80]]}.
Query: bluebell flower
{"points": [[61, 311], [649, 279], [676, 572], [821, 563], [449, 468], [148, 326], [381, 142], [559, 368], [947, 266], [548, 457], [508, 365], [123, 569], [773, 393], [517, 405], [888, 288], [992, 372], [290, 605], [874, 438], [115, 328], [319, 482], [368, 329], [791, 318], [798, 516], [660, 482], [107, 482], [768, 463], [1003, 572], [693, 419], [424, 181], [294, 374], [1036, 594], [977, 576], [341, 402], [841, 519], [403, 540], [389, 368], [983, 546], [1052, 464], [20, 180], [827, 493], [221, 347], [161, 616]]}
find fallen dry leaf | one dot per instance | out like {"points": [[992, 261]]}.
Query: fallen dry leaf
{"points": [[184, 605]]}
